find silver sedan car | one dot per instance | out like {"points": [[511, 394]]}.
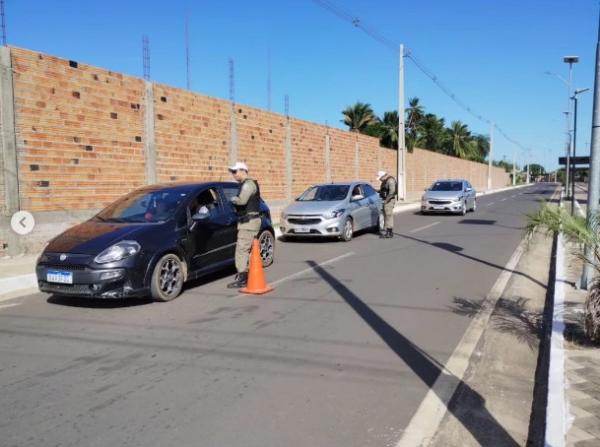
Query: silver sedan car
{"points": [[333, 210], [449, 196]]}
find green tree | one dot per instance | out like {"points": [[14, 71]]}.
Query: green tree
{"points": [[414, 116], [482, 147], [359, 117], [535, 169], [460, 142], [432, 133], [389, 130]]}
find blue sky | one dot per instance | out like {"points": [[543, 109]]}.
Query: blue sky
{"points": [[492, 54]]}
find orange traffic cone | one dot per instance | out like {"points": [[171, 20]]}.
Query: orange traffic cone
{"points": [[257, 285]]}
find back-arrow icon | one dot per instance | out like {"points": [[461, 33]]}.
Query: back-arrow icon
{"points": [[22, 222]]}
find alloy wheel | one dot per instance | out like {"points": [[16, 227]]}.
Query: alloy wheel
{"points": [[267, 248], [171, 277]]}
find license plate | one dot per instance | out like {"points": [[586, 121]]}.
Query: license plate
{"points": [[59, 277], [302, 230], [438, 207]]}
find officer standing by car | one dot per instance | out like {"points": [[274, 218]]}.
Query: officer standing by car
{"points": [[247, 205], [388, 191]]}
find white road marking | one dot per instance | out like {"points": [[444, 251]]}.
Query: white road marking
{"points": [[426, 421], [4, 306], [416, 230], [490, 204], [502, 200]]}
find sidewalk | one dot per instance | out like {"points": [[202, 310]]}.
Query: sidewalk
{"points": [[582, 360]]}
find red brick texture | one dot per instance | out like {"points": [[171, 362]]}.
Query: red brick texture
{"points": [[80, 135]]}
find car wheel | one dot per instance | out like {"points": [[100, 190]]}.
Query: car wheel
{"points": [[167, 278], [347, 230], [266, 241], [378, 228], [463, 210], [474, 207]]}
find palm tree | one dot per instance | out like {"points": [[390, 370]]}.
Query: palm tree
{"points": [[482, 147], [389, 130], [555, 219], [432, 133], [414, 115], [358, 117], [460, 142]]}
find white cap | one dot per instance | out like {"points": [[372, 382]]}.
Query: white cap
{"points": [[239, 166], [381, 174]]}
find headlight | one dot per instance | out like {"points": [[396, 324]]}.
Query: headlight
{"points": [[117, 252], [335, 214], [458, 199]]}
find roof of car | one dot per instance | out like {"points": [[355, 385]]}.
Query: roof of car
{"points": [[185, 185]]}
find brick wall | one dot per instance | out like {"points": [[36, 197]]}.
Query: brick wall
{"points": [[81, 141], [79, 132]]}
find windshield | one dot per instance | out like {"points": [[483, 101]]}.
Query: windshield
{"points": [[446, 186], [325, 193], [144, 206]]}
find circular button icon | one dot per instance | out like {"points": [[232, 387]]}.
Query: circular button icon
{"points": [[22, 222]]}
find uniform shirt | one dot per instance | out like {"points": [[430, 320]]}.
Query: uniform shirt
{"points": [[390, 183], [247, 190]]}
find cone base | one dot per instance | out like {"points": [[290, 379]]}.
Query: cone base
{"points": [[262, 291]]}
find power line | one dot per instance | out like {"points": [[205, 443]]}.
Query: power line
{"points": [[355, 21]]}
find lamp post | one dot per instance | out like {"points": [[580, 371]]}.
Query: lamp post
{"points": [[569, 60], [574, 99]]}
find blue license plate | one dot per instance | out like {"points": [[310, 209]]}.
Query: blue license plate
{"points": [[59, 277]]}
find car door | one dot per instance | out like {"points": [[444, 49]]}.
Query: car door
{"points": [[375, 205], [361, 211], [211, 236], [228, 191]]}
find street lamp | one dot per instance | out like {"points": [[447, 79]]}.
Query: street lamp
{"points": [[574, 99], [569, 60]]}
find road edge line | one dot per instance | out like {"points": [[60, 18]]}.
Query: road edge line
{"points": [[425, 422]]}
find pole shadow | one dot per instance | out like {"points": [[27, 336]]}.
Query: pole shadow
{"points": [[475, 418]]}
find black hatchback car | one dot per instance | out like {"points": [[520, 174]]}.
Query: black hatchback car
{"points": [[148, 243]]}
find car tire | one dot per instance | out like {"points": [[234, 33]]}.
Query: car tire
{"points": [[266, 242], [347, 230], [463, 210], [167, 278], [474, 207], [378, 228]]}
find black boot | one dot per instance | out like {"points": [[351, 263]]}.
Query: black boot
{"points": [[390, 233], [241, 280], [383, 234]]}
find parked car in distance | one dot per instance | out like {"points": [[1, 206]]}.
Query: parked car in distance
{"points": [[449, 196], [148, 243], [333, 210]]}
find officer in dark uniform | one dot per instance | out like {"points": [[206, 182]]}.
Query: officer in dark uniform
{"points": [[388, 191], [247, 205]]}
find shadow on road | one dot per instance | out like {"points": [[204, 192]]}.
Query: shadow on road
{"points": [[457, 251], [96, 303], [509, 316], [478, 420]]}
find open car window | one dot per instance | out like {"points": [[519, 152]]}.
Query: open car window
{"points": [[144, 206], [207, 200]]}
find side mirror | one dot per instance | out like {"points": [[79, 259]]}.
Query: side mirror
{"points": [[469, 189], [357, 197]]}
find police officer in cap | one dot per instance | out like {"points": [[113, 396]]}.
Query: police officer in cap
{"points": [[247, 205], [388, 191]]}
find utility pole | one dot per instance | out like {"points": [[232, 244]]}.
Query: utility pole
{"points": [[146, 57], [489, 179], [514, 179], [188, 69], [3, 22], [574, 98], [401, 155], [269, 80], [594, 182]]}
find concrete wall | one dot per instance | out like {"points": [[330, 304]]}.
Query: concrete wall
{"points": [[86, 136]]}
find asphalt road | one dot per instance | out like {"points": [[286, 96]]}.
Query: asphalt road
{"points": [[340, 354]]}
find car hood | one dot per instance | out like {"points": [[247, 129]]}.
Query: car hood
{"points": [[316, 207], [442, 195], [91, 237]]}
